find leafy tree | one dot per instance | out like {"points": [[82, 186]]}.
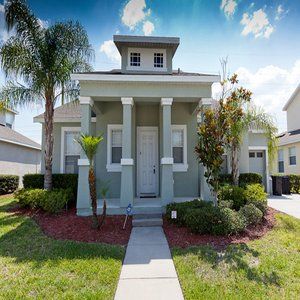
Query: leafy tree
{"points": [[211, 145], [39, 61], [89, 145]]}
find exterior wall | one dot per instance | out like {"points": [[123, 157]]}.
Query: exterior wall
{"points": [[147, 60], [293, 114], [186, 184], [56, 162], [7, 117], [288, 169], [19, 160]]}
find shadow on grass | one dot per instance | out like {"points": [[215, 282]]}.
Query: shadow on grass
{"points": [[25, 242], [236, 257]]}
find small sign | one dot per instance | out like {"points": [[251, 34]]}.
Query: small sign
{"points": [[129, 209], [174, 214]]}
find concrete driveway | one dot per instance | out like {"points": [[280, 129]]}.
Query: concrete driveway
{"points": [[289, 204]]}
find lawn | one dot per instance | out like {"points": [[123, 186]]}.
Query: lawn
{"points": [[268, 268], [35, 266]]}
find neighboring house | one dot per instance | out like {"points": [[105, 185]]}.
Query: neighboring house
{"points": [[18, 154], [288, 156], [147, 114]]}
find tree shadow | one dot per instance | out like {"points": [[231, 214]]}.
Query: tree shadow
{"points": [[236, 257]]}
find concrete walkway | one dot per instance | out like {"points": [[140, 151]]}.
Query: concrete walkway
{"points": [[289, 204], [148, 271]]}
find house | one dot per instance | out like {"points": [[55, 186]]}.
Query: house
{"points": [[19, 155], [288, 155], [147, 114]]}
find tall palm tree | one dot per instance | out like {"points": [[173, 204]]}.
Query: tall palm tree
{"points": [[40, 61], [256, 118], [89, 145]]}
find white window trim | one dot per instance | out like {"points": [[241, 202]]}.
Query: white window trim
{"points": [[112, 167], [181, 167], [62, 146]]}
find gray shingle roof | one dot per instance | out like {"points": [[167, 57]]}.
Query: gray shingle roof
{"points": [[290, 137], [67, 112], [10, 136]]}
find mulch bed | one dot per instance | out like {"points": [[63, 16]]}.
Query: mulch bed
{"points": [[68, 226], [182, 237]]}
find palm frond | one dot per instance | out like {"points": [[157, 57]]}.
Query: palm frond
{"points": [[89, 145]]}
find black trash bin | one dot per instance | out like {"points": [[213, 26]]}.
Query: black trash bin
{"points": [[286, 187], [277, 185]]}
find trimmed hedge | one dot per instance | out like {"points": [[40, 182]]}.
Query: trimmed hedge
{"points": [[60, 181], [255, 194], [244, 179], [50, 201], [251, 213], [294, 183], [8, 184], [235, 194]]}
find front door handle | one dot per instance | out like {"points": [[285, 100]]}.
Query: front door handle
{"points": [[153, 169]]}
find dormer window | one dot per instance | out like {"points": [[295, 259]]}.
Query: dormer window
{"points": [[158, 60], [135, 59]]}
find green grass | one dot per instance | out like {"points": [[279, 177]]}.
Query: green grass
{"points": [[268, 268], [37, 267]]}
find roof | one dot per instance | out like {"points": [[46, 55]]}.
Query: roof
{"points": [[69, 112], [296, 91], [10, 136], [289, 137], [146, 41]]}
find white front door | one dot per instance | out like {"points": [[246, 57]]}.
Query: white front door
{"points": [[147, 161]]}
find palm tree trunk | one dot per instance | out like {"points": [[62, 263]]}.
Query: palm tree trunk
{"points": [[93, 195], [48, 117], [235, 164]]}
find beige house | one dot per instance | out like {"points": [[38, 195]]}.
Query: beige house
{"points": [[288, 156]]}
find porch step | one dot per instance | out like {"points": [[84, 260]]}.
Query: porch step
{"points": [[147, 220]]}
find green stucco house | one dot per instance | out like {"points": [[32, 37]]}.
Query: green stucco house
{"points": [[147, 114]]}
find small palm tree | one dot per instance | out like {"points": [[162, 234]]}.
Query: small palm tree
{"points": [[89, 145], [39, 62]]}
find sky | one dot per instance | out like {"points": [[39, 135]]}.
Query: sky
{"points": [[260, 39]]}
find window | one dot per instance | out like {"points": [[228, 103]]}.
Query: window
{"points": [[158, 60], [114, 148], [280, 161], [251, 154], [179, 148], [259, 154], [292, 156], [70, 150], [135, 59], [9, 125]]}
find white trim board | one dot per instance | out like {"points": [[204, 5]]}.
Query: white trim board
{"points": [[19, 144], [62, 144]]}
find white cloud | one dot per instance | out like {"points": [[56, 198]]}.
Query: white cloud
{"points": [[271, 86], [280, 12], [4, 35], [148, 28], [110, 50], [134, 12], [258, 24], [43, 23], [228, 6]]}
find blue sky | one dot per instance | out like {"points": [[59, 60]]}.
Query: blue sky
{"points": [[260, 38]]}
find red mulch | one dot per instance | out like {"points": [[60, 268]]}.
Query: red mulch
{"points": [[182, 237], [68, 226]]}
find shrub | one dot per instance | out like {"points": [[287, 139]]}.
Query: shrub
{"points": [[182, 208], [50, 201], [295, 183], [8, 183], [60, 181], [249, 178], [251, 213], [234, 194], [225, 179], [55, 200], [226, 203], [30, 197], [255, 194], [230, 222], [202, 220]]}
